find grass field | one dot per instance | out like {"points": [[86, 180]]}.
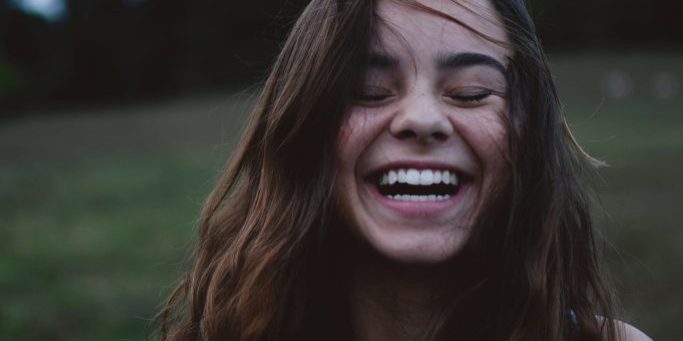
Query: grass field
{"points": [[97, 206]]}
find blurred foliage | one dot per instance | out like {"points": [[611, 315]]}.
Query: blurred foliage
{"points": [[11, 79], [98, 206], [116, 49], [113, 50], [638, 132], [608, 24]]}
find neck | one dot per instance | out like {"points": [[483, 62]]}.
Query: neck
{"points": [[391, 301]]}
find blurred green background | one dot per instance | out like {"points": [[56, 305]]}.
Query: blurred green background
{"points": [[103, 170]]}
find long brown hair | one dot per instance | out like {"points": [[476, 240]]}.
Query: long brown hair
{"points": [[267, 264]]}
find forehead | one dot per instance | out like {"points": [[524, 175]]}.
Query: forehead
{"points": [[403, 24]]}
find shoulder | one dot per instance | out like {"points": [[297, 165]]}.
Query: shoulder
{"points": [[627, 332]]}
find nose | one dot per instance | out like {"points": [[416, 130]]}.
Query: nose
{"points": [[421, 119]]}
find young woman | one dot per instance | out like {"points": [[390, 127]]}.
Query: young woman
{"points": [[407, 174]]}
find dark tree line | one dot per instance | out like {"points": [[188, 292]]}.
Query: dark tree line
{"points": [[117, 49]]}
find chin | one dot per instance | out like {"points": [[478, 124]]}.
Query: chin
{"points": [[416, 247]]}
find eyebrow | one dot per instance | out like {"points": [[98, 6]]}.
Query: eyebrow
{"points": [[383, 61], [379, 60], [461, 60]]}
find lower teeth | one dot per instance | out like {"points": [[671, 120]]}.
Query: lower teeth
{"points": [[407, 197]]}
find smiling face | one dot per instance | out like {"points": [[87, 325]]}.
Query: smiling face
{"points": [[425, 141]]}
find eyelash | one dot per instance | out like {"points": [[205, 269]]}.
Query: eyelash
{"points": [[376, 97], [373, 97], [472, 97]]}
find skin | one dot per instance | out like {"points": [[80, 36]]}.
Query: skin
{"points": [[418, 111], [631, 333]]}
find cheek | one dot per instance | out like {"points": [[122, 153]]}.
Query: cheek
{"points": [[345, 142], [347, 150], [486, 133], [494, 132], [356, 135]]}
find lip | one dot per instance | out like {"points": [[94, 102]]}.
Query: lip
{"points": [[415, 209]]}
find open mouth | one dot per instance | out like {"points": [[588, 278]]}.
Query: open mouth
{"points": [[410, 184]]}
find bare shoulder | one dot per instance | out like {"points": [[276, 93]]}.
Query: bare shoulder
{"points": [[628, 332]]}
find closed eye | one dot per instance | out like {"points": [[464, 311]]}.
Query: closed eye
{"points": [[373, 95], [471, 97]]}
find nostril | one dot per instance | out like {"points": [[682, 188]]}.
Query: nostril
{"points": [[406, 134], [410, 134], [439, 136]]}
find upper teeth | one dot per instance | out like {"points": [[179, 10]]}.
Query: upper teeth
{"points": [[424, 177]]}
